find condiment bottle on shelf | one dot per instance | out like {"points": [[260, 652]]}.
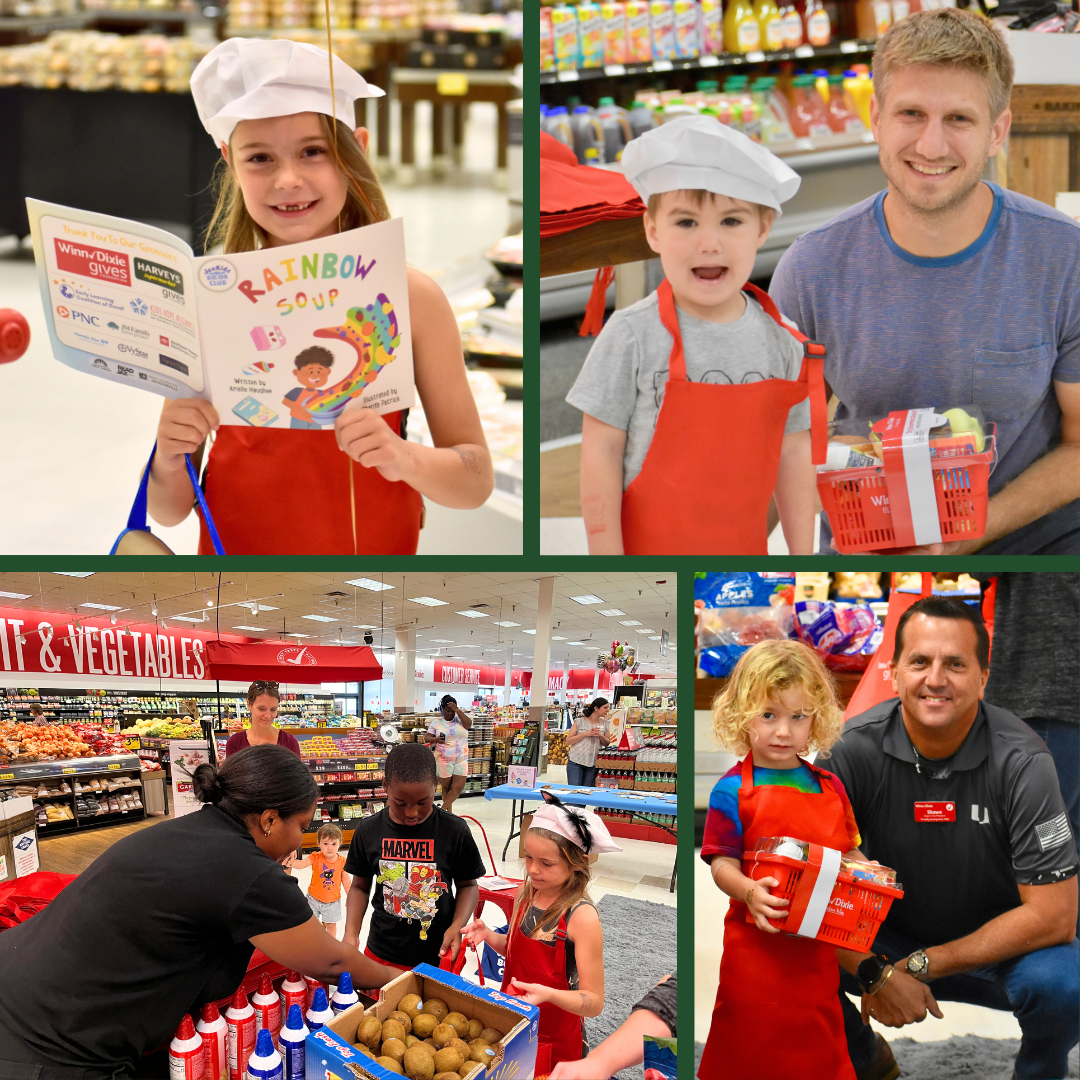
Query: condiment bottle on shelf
{"points": [[215, 1036], [808, 116], [267, 1006], [240, 1017], [792, 22], [858, 83], [320, 1014], [293, 992], [265, 1063], [818, 24], [344, 996], [741, 31], [588, 136], [843, 116], [821, 83], [770, 24], [292, 1039], [615, 125], [557, 124], [187, 1054]]}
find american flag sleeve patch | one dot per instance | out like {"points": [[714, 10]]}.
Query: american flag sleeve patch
{"points": [[1053, 833]]}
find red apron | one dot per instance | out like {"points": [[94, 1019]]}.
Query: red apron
{"points": [[560, 1036], [707, 479], [777, 1012], [282, 493]]}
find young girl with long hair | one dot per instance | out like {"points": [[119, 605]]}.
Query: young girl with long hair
{"points": [[555, 948], [293, 170], [777, 999]]}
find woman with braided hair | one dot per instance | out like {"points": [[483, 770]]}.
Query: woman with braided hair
{"points": [[555, 948]]}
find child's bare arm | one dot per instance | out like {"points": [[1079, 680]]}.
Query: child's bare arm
{"points": [[602, 448], [300, 864], [184, 425], [729, 878], [796, 493], [346, 882]]}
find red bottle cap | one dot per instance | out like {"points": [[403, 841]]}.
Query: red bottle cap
{"points": [[186, 1030], [210, 1013], [239, 1000], [264, 985], [14, 335], [292, 976]]}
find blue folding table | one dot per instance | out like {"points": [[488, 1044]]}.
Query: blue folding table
{"points": [[636, 802]]}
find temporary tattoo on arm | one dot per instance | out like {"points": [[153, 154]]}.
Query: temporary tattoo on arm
{"points": [[584, 1002], [468, 459]]}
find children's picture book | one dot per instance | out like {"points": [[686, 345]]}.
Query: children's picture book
{"points": [[283, 337]]}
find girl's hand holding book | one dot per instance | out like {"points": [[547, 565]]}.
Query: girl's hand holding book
{"points": [[764, 906], [182, 429], [366, 437]]}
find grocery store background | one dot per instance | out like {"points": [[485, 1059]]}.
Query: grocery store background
{"points": [[794, 75], [96, 113]]}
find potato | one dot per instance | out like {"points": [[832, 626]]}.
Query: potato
{"points": [[419, 1064], [437, 1008], [394, 1048], [403, 1018], [423, 1025], [475, 1027], [391, 1064], [369, 1032], [410, 1005], [490, 1035], [449, 1060], [459, 1022], [393, 1031], [443, 1034]]}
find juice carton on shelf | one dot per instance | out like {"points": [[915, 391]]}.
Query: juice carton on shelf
{"points": [[547, 44], [662, 25], [331, 1055], [712, 28], [564, 37], [590, 35], [685, 17], [638, 32], [614, 15]]}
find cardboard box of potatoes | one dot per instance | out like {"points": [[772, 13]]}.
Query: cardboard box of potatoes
{"points": [[429, 1025]]}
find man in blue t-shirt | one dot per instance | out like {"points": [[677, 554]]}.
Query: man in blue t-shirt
{"points": [[944, 290]]}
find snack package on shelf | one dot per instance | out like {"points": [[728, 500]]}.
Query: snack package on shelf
{"points": [[864, 586], [845, 635], [737, 610]]}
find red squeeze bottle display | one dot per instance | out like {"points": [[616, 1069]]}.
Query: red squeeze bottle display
{"points": [[215, 1036], [293, 992], [14, 335], [240, 1017], [312, 986], [187, 1054], [267, 1006]]}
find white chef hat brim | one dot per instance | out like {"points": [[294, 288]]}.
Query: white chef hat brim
{"points": [[256, 79], [698, 153]]}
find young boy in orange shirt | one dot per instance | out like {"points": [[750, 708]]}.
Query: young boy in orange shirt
{"points": [[328, 878]]}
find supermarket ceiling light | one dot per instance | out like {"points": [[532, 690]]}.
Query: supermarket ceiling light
{"points": [[575, 643], [643, 631], [443, 641], [296, 635], [471, 614], [364, 626], [556, 638], [17, 595], [428, 601], [655, 638], [369, 583], [265, 629], [185, 618], [629, 622], [611, 611], [497, 623], [590, 599], [102, 607], [528, 631], [264, 607], [319, 618], [71, 573]]}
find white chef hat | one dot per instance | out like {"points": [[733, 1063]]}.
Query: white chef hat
{"points": [[255, 79], [698, 153], [581, 826]]}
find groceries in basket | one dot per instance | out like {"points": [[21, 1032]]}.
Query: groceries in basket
{"points": [[832, 898]]}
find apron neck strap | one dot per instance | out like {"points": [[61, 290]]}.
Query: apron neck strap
{"points": [[670, 318], [747, 770]]}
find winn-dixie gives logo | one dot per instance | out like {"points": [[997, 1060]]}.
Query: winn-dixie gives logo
{"points": [[92, 262], [297, 656]]}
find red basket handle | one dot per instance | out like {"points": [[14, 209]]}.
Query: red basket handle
{"points": [[494, 868]]}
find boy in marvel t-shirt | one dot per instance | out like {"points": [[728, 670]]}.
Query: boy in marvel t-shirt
{"points": [[416, 865]]}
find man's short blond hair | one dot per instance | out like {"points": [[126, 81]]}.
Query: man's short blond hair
{"points": [[947, 37]]}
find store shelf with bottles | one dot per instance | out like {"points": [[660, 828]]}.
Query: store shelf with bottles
{"points": [[81, 792]]}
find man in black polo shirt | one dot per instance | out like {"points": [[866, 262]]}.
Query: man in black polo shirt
{"points": [[962, 800]]}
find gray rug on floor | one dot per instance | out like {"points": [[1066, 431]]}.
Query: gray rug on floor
{"points": [[639, 950], [963, 1057], [562, 354]]}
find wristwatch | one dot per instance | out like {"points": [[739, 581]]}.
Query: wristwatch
{"points": [[869, 971], [918, 965]]}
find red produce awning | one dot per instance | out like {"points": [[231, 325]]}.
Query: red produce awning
{"points": [[273, 660]]}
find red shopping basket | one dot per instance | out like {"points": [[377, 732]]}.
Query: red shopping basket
{"points": [[855, 910], [861, 513]]}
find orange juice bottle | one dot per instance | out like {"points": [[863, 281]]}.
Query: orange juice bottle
{"points": [[741, 31], [818, 24], [792, 23], [770, 25]]}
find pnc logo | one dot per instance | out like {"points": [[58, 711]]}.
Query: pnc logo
{"points": [[63, 313]]}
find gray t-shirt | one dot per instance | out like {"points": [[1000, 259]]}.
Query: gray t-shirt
{"points": [[622, 382]]}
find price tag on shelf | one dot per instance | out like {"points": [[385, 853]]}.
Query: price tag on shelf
{"points": [[709, 61], [452, 83], [568, 76], [663, 65], [804, 50], [67, 770], [114, 765], [614, 69], [849, 46], [757, 56]]}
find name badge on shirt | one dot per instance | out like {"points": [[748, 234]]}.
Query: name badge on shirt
{"points": [[935, 811]]}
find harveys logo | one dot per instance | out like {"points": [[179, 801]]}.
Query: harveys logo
{"points": [[297, 657]]}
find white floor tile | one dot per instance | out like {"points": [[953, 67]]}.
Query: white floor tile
{"points": [[563, 536]]}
